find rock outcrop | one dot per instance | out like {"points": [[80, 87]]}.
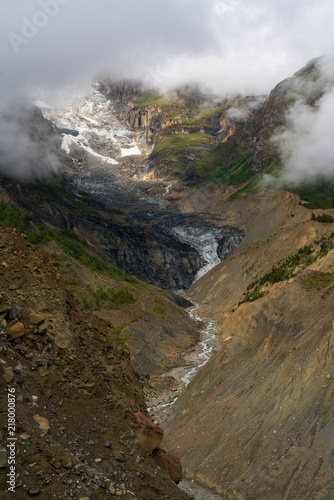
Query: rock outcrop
{"points": [[150, 435]]}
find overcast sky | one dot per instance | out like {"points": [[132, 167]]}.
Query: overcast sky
{"points": [[228, 45]]}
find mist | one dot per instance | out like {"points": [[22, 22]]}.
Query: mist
{"points": [[228, 46], [26, 144], [306, 141]]}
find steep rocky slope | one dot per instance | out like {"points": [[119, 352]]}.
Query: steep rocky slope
{"points": [[261, 409], [76, 391], [256, 420], [158, 258], [230, 141], [152, 325]]}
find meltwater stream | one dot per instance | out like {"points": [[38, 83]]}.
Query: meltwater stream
{"points": [[209, 333], [194, 359]]}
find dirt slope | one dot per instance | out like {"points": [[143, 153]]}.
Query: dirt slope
{"points": [[68, 367], [257, 420]]}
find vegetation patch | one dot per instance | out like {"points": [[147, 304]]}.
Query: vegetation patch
{"points": [[178, 106], [251, 187], [160, 312], [14, 217], [59, 257], [318, 281], [324, 218], [211, 168], [289, 268], [112, 296], [73, 247], [176, 152], [236, 173], [317, 195], [151, 98], [145, 378], [178, 143], [207, 115]]}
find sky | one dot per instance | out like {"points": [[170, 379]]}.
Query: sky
{"points": [[228, 46]]}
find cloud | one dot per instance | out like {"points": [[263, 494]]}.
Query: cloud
{"points": [[26, 145], [244, 108], [306, 141], [229, 46]]}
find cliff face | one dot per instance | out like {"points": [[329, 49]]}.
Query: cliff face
{"points": [[156, 257], [229, 142], [147, 110], [256, 421], [151, 118]]}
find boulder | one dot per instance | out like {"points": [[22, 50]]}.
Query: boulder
{"points": [[150, 435], [15, 313], [173, 466], [8, 375]]}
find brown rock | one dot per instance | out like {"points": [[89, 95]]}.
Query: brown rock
{"points": [[43, 423], [36, 319], [34, 492], [42, 330], [17, 331], [8, 375], [173, 466], [150, 435], [18, 368], [4, 264]]}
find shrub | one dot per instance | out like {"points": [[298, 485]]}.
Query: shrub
{"points": [[115, 297], [14, 217], [324, 218]]}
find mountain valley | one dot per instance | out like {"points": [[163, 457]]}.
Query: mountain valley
{"points": [[169, 218]]}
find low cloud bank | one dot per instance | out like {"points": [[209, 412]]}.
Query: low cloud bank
{"points": [[229, 46], [306, 142]]}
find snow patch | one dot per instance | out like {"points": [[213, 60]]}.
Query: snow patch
{"points": [[167, 190], [66, 144], [100, 133], [68, 140], [94, 122], [131, 151]]}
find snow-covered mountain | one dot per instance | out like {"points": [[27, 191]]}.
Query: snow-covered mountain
{"points": [[109, 161], [91, 126]]}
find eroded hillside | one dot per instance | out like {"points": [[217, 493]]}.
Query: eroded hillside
{"points": [[76, 390], [164, 188], [262, 407]]}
